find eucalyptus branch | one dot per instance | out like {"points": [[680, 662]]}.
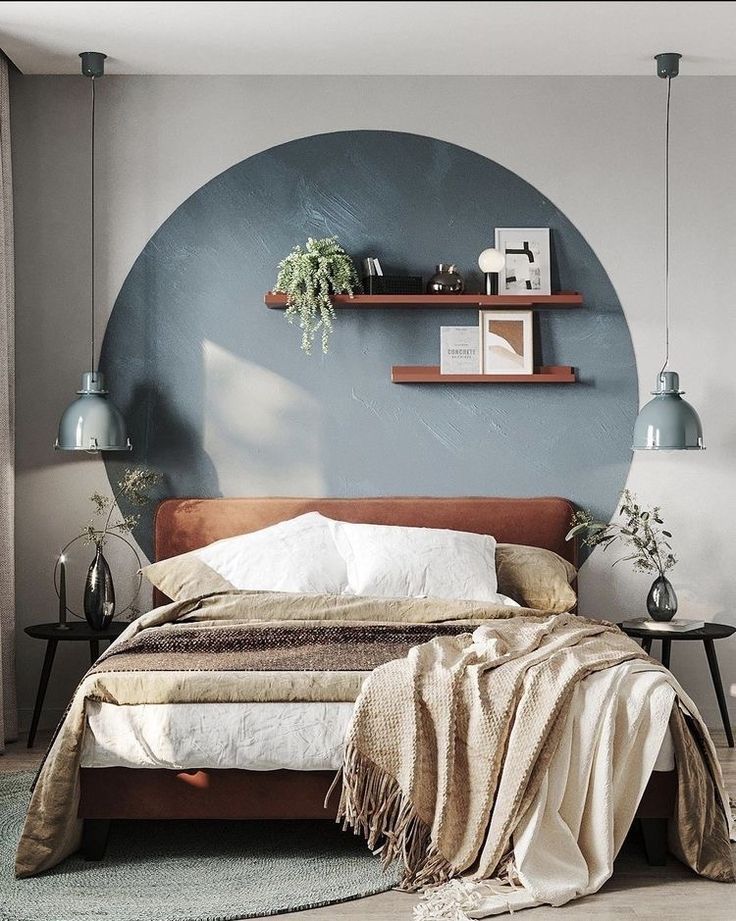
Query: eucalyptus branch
{"points": [[642, 530]]}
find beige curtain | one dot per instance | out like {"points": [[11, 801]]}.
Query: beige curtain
{"points": [[8, 709]]}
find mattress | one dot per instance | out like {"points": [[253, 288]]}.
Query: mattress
{"points": [[297, 736]]}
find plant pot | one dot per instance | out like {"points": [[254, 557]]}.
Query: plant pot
{"points": [[662, 600], [99, 593]]}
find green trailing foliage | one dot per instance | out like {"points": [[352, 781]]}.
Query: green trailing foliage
{"points": [[641, 531], [308, 277]]}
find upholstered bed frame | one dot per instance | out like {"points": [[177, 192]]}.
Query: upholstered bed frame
{"points": [[186, 524]]}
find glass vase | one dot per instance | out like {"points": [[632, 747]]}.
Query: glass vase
{"points": [[99, 592], [662, 600], [446, 280]]}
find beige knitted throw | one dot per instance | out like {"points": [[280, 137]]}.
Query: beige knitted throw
{"points": [[447, 746]]}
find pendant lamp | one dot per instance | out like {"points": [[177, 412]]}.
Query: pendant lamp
{"points": [[667, 423], [92, 422]]}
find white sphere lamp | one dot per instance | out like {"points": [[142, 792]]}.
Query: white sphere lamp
{"points": [[491, 262]]}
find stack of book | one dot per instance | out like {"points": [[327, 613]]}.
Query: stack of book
{"points": [[678, 625]]}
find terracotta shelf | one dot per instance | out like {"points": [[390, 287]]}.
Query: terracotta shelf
{"points": [[430, 374], [507, 301]]}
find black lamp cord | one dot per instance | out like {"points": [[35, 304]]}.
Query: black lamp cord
{"points": [[666, 233], [92, 226]]}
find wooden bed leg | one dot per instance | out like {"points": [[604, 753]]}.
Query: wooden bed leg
{"points": [[95, 833], [654, 832]]}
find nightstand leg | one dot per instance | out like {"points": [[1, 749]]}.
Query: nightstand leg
{"points": [[94, 651], [710, 651], [646, 644], [42, 685], [666, 647]]}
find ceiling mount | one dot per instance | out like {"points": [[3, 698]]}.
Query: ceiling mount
{"points": [[93, 63], [668, 64]]}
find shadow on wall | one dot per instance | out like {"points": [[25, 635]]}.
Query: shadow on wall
{"points": [[219, 397], [180, 457]]}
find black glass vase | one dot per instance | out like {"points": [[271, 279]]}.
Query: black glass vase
{"points": [[662, 600], [99, 593]]}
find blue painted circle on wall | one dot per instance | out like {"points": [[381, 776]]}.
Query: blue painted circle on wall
{"points": [[220, 399]]}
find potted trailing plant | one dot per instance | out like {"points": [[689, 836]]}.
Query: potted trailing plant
{"points": [[99, 592], [309, 277], [642, 532]]}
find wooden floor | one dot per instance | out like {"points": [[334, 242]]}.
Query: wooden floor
{"points": [[635, 892]]}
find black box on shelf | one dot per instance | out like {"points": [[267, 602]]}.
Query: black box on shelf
{"points": [[393, 284]]}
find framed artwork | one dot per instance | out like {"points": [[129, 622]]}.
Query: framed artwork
{"points": [[459, 350], [506, 341], [527, 252]]}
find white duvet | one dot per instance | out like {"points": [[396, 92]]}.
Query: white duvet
{"points": [[298, 736], [255, 737]]}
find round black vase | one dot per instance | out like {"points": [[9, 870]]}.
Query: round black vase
{"points": [[662, 600], [99, 593], [446, 280]]}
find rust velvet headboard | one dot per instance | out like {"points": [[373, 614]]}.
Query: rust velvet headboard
{"points": [[186, 524]]}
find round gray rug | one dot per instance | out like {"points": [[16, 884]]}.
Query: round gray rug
{"points": [[188, 871]]}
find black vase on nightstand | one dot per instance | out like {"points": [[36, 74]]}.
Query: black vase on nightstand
{"points": [[662, 600], [99, 593]]}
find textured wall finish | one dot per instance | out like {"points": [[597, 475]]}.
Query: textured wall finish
{"points": [[593, 145], [219, 397]]}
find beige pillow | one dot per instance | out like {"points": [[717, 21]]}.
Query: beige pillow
{"points": [[184, 577], [536, 578]]}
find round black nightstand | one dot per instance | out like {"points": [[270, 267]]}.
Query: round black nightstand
{"points": [[79, 632], [707, 636]]}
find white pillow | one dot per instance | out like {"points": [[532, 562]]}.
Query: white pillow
{"points": [[395, 562], [298, 555]]}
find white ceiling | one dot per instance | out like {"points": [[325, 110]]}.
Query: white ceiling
{"points": [[554, 38]]}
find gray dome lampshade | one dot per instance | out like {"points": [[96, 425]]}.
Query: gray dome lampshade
{"points": [[92, 422], [668, 423]]}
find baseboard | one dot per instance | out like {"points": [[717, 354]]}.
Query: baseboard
{"points": [[49, 719]]}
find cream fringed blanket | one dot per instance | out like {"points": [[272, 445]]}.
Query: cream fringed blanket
{"points": [[448, 747]]}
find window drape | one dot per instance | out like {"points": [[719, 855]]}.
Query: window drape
{"points": [[8, 709]]}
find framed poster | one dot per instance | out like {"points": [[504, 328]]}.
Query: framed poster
{"points": [[527, 252], [459, 350], [507, 341]]}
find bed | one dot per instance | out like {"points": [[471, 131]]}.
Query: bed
{"points": [[124, 791]]}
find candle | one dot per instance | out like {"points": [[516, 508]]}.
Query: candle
{"points": [[62, 591]]}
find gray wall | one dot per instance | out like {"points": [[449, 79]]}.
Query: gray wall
{"points": [[591, 146], [193, 358]]}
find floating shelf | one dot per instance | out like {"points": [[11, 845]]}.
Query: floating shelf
{"points": [[507, 301], [430, 374]]}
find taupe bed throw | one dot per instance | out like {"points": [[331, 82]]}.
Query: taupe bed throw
{"points": [[230, 647], [448, 745]]}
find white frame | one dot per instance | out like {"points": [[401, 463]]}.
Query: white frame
{"points": [[541, 236], [523, 316]]}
